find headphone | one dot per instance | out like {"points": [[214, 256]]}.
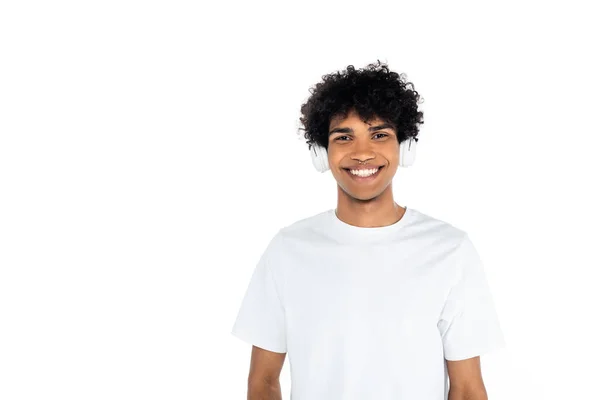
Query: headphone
{"points": [[408, 149]]}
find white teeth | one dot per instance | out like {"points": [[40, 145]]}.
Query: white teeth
{"points": [[364, 172]]}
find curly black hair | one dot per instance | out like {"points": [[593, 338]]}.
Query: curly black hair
{"points": [[373, 91]]}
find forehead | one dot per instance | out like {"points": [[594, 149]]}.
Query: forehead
{"points": [[352, 117]]}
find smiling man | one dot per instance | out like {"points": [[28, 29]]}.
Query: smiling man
{"points": [[364, 158], [371, 300]]}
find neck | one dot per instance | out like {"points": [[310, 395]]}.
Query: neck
{"points": [[379, 211]]}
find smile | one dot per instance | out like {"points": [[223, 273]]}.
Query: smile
{"points": [[362, 175]]}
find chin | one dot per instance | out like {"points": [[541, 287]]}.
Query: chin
{"points": [[363, 195]]}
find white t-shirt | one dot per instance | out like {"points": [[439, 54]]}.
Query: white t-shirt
{"points": [[370, 313]]}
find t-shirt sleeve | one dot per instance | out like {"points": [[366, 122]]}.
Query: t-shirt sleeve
{"points": [[469, 324], [261, 316]]}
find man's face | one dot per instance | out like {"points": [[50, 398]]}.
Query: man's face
{"points": [[375, 143]]}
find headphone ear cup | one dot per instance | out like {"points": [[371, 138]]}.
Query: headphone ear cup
{"points": [[319, 157], [408, 150]]}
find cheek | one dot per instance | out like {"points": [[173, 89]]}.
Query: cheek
{"points": [[394, 156], [334, 158]]}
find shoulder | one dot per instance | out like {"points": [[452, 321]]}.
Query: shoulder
{"points": [[289, 236], [309, 227], [440, 230]]}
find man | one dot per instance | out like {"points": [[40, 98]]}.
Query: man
{"points": [[371, 300]]}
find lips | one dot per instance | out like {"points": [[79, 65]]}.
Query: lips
{"points": [[364, 178], [364, 167]]}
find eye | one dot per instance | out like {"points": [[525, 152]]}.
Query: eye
{"points": [[384, 134], [339, 137]]}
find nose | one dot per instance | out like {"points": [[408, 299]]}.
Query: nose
{"points": [[363, 153]]}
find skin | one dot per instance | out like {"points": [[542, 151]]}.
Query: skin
{"points": [[263, 380], [466, 381], [350, 141], [363, 204]]}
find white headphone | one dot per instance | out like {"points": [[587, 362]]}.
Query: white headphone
{"points": [[408, 150]]}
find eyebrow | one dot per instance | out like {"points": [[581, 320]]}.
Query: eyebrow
{"points": [[371, 129]]}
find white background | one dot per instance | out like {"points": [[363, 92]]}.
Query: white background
{"points": [[149, 151]]}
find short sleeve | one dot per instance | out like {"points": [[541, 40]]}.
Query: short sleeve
{"points": [[261, 316], [469, 324]]}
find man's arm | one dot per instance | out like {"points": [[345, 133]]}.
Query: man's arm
{"points": [[263, 379], [466, 382]]}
